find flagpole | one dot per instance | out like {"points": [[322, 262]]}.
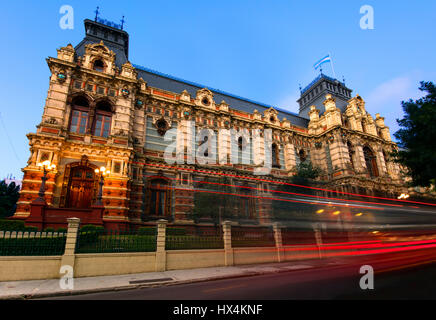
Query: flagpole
{"points": [[331, 63]]}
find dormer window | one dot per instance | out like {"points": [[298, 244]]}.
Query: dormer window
{"points": [[98, 65]]}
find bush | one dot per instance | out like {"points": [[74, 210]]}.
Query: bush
{"points": [[147, 231], [30, 229], [11, 225], [49, 229], [91, 228], [176, 231], [62, 230]]}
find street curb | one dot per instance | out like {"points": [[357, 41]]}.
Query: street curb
{"points": [[141, 286]]}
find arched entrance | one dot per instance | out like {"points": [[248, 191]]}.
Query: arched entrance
{"points": [[80, 187]]}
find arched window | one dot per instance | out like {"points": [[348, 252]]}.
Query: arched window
{"points": [[79, 115], [275, 156], [158, 197], [98, 65], [370, 161], [350, 153], [103, 119]]}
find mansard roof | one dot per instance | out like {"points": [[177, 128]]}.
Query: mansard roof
{"points": [[177, 85]]}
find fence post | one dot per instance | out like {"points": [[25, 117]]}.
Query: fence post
{"points": [[279, 243], [161, 255], [70, 243], [227, 237]]}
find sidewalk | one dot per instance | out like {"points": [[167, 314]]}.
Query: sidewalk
{"points": [[51, 287]]}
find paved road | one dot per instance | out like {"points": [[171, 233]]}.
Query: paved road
{"points": [[391, 281]]}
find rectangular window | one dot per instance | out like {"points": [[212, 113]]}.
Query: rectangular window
{"points": [[102, 126], [117, 167], [79, 119], [77, 84], [100, 90], [112, 93], [89, 87]]}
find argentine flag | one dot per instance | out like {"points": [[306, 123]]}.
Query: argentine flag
{"points": [[323, 60]]}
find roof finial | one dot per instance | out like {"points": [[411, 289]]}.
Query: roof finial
{"points": [[96, 14], [320, 70], [343, 80], [299, 85], [122, 23]]}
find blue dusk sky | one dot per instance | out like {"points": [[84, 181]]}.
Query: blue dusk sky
{"points": [[261, 50]]}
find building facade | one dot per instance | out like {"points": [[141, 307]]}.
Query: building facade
{"points": [[101, 110]]}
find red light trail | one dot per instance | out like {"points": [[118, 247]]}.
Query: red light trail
{"points": [[276, 182]]}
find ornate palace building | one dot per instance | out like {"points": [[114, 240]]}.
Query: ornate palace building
{"points": [[102, 110]]}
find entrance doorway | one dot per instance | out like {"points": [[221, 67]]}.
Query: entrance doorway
{"points": [[81, 187]]}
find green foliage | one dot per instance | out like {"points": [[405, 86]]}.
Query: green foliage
{"points": [[9, 194], [305, 173], [49, 229], [91, 228], [147, 231], [61, 230], [11, 225], [175, 231], [32, 246], [30, 229], [417, 137]]}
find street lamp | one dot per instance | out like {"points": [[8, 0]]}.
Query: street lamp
{"points": [[102, 171], [46, 166]]}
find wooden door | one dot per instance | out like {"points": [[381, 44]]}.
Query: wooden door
{"points": [[81, 188]]}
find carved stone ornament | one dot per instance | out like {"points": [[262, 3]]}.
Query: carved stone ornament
{"points": [[162, 126], [125, 92], [186, 114], [61, 76], [51, 121], [138, 104]]}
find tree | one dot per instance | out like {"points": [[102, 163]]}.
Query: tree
{"points": [[417, 136], [305, 173], [9, 194]]}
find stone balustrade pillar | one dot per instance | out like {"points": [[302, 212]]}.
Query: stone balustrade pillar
{"points": [[227, 237], [161, 255], [70, 244]]}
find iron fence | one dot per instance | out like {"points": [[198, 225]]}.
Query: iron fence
{"points": [[22, 243], [108, 241], [252, 237], [292, 236], [195, 237]]}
